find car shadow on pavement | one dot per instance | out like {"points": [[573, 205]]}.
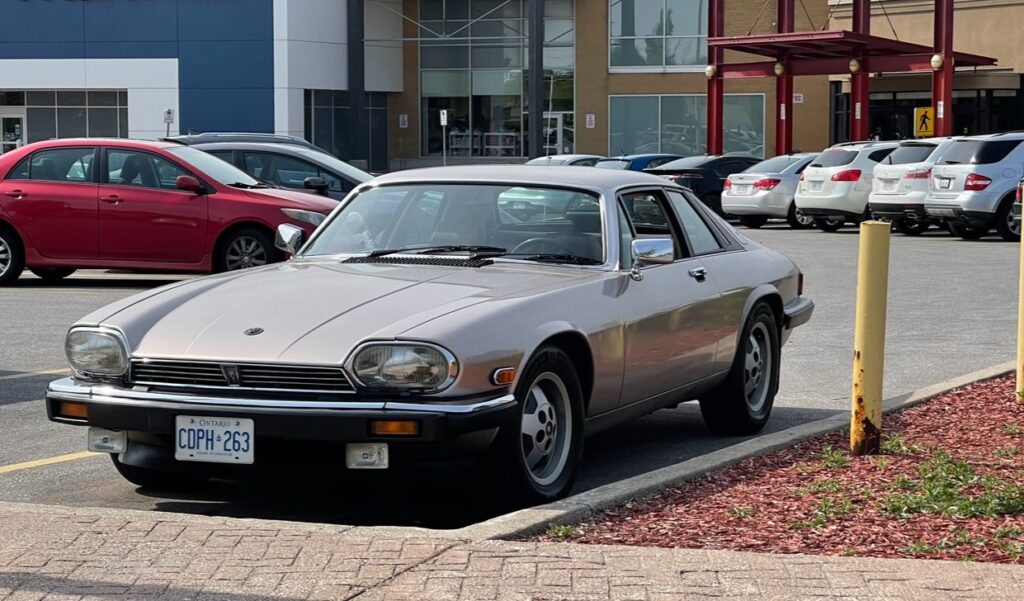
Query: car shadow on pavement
{"points": [[456, 494]]}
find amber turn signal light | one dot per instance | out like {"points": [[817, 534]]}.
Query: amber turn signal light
{"points": [[504, 376], [395, 428], [74, 410]]}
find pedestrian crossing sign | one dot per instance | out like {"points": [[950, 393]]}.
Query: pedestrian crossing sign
{"points": [[924, 122]]}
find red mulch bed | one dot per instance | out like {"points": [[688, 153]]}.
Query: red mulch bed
{"points": [[949, 485]]}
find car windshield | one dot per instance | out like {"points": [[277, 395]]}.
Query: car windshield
{"points": [[339, 166], [687, 163], [978, 152], [612, 164], [542, 224], [835, 157], [909, 153], [773, 165], [222, 171]]}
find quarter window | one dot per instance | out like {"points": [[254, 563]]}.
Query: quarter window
{"points": [[57, 165], [878, 155], [697, 231], [141, 169]]}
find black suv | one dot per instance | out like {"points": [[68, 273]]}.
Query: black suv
{"points": [[705, 175]]}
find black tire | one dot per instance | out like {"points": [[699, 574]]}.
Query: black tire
{"points": [[732, 410], [1005, 226], [157, 480], [52, 274], [12, 256], [553, 473], [968, 232], [245, 247], [910, 227], [828, 224], [798, 220], [714, 202], [754, 221]]}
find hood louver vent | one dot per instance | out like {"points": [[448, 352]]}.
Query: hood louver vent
{"points": [[441, 261]]}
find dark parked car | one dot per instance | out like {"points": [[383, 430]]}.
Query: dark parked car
{"points": [[705, 175], [291, 166], [636, 162]]}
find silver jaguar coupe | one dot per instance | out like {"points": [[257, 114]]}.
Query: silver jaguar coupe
{"points": [[439, 313]]}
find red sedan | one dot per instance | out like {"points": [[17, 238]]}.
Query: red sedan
{"points": [[125, 204]]}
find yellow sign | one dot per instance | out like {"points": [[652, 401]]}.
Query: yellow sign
{"points": [[924, 122]]}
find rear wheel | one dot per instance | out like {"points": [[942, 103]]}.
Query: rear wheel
{"points": [[968, 232], [796, 218], [753, 221], [244, 248], [12, 256], [52, 274], [741, 405], [157, 480], [1005, 225], [828, 224]]}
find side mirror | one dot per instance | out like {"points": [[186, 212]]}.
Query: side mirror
{"points": [[317, 184], [289, 238], [654, 251], [189, 184]]}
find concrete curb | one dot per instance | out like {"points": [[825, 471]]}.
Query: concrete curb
{"points": [[584, 505]]}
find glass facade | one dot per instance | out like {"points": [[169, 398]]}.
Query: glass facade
{"points": [[677, 124], [473, 65], [328, 119], [658, 34], [71, 113]]}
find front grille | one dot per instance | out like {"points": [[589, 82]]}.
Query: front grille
{"points": [[236, 376]]}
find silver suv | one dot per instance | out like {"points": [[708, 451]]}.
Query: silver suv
{"points": [[973, 185]]}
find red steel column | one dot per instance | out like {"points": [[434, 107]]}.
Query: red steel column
{"points": [[859, 79], [942, 78], [784, 85], [716, 85]]}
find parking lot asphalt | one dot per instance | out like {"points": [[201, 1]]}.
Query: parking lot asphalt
{"points": [[952, 311]]}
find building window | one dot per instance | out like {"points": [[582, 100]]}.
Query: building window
{"points": [[474, 67], [677, 124], [662, 35], [71, 113], [328, 119]]}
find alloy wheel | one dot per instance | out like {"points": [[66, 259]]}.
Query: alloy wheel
{"points": [[546, 428], [757, 367], [245, 252], [1012, 224], [804, 220], [5, 257]]}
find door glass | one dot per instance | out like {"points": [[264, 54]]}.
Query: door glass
{"points": [[650, 217], [697, 232], [57, 165], [132, 168], [279, 169], [10, 133]]}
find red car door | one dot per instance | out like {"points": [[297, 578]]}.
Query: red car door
{"points": [[51, 197], [143, 216]]}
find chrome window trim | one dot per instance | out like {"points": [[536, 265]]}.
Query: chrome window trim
{"points": [[133, 360]]}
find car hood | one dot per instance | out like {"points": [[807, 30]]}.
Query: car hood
{"points": [[316, 312], [294, 200]]}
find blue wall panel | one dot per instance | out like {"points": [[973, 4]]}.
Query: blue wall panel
{"points": [[225, 48]]}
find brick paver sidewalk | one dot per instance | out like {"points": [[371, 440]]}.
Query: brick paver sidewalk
{"points": [[57, 553]]}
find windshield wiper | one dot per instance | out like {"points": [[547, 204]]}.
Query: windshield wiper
{"points": [[553, 258], [477, 250]]}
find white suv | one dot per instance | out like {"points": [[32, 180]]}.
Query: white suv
{"points": [[834, 188], [974, 183], [901, 184]]}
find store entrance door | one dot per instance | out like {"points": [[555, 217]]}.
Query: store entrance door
{"points": [[12, 129]]}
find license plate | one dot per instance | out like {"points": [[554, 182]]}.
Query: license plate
{"points": [[889, 185], [742, 189], [942, 212], [945, 184], [815, 186], [214, 439]]}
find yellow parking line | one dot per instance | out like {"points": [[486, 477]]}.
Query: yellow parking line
{"points": [[14, 467], [34, 374]]}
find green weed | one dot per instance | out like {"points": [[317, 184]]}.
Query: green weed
{"points": [[741, 512], [563, 532], [833, 458]]}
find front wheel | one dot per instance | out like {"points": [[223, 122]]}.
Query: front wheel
{"points": [[968, 232], [828, 224], [741, 405], [52, 274], [244, 248], [157, 480], [540, 452], [796, 218], [12, 257], [754, 221]]}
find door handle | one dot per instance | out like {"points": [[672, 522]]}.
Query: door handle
{"points": [[699, 273], [112, 199], [15, 194]]}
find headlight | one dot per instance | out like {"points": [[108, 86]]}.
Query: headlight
{"points": [[96, 353], [311, 217], [404, 367]]}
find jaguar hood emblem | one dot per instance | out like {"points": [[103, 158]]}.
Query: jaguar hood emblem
{"points": [[253, 332]]}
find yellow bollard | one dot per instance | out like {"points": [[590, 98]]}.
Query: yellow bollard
{"points": [[869, 338], [1020, 328]]}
